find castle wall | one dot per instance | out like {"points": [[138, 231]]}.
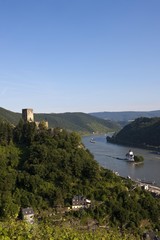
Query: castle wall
{"points": [[28, 116]]}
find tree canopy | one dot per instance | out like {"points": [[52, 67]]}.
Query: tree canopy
{"points": [[44, 168]]}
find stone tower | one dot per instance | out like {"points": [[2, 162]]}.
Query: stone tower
{"points": [[27, 115]]}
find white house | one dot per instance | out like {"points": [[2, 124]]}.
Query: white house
{"points": [[79, 201], [28, 214]]}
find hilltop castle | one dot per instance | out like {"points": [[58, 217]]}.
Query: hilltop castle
{"points": [[28, 116]]}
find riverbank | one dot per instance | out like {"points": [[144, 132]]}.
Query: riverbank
{"points": [[147, 186], [155, 149], [138, 163], [111, 156]]}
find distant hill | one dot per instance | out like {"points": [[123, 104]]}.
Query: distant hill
{"points": [[125, 116], [11, 117], [80, 122], [143, 132]]}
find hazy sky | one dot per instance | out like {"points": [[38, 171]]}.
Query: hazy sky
{"points": [[80, 55]]}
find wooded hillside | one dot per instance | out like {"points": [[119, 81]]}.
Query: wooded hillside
{"points": [[43, 168], [79, 122], [143, 132]]}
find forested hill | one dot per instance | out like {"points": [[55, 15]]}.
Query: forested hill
{"points": [[143, 132], [79, 122], [44, 168], [9, 116]]}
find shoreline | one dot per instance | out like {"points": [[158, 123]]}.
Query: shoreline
{"points": [[137, 163], [155, 149]]}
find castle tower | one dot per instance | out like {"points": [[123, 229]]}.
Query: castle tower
{"points": [[27, 115]]}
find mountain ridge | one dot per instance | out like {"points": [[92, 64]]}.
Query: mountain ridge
{"points": [[125, 116], [81, 122]]}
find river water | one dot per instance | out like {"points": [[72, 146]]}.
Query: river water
{"points": [[106, 155]]}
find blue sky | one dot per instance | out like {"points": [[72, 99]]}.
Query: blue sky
{"points": [[80, 55]]}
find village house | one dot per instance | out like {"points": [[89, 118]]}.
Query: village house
{"points": [[28, 214], [79, 201]]}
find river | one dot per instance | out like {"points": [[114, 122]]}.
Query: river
{"points": [[106, 153]]}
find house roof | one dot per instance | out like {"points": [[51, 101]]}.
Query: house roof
{"points": [[79, 198], [27, 211]]}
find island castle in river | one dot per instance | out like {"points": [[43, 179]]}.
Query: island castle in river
{"points": [[130, 156]]}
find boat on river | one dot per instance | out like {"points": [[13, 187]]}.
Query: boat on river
{"points": [[130, 156], [92, 140]]}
